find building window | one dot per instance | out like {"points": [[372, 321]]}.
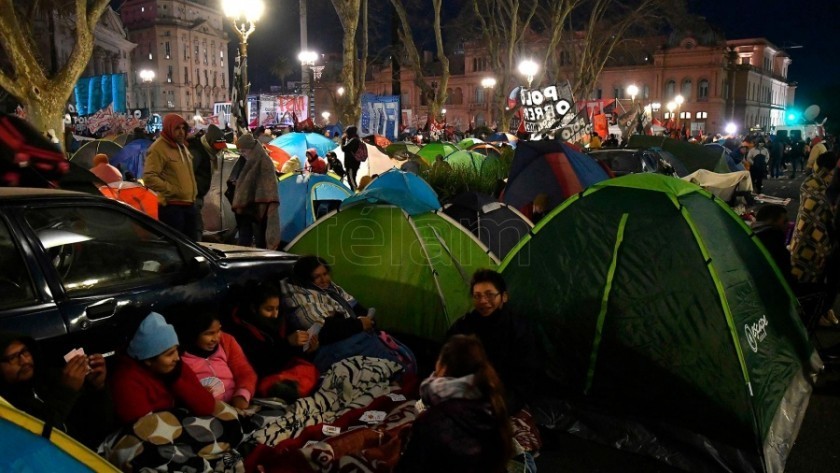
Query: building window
{"points": [[479, 95], [166, 50], [169, 74], [222, 58], [701, 115], [685, 90], [205, 53], [745, 61], [223, 80], [215, 76], [667, 115], [685, 115], [565, 58], [195, 52], [206, 78], [646, 92], [186, 75], [185, 52], [197, 76], [670, 89], [618, 92], [703, 90]]}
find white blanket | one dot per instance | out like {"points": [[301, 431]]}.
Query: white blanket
{"points": [[722, 186]]}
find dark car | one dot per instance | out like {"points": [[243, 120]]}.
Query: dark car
{"points": [[77, 270], [625, 161]]}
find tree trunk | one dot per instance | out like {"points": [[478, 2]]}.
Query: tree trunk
{"points": [[44, 94], [353, 70]]}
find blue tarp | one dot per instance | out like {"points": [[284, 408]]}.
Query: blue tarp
{"points": [[296, 144], [132, 157]]}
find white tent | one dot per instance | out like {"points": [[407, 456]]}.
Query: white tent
{"points": [[377, 161]]}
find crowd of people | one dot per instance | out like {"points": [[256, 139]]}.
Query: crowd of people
{"points": [[275, 342]]}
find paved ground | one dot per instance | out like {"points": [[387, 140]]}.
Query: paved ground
{"points": [[815, 451]]}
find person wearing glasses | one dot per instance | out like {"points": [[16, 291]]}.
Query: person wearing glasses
{"points": [[73, 399], [507, 338], [168, 171]]}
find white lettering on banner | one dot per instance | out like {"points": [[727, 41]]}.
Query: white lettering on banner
{"points": [[756, 332], [547, 108]]}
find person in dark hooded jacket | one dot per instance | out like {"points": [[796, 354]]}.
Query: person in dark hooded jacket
{"points": [[73, 399], [508, 339]]}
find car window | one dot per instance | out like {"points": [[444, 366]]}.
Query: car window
{"points": [[92, 248], [16, 287]]}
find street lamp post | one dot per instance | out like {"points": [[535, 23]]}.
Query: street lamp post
{"points": [[632, 91], [307, 61], [147, 76], [243, 15], [488, 83], [529, 69], [679, 101]]}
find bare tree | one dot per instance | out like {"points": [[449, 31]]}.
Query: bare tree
{"points": [[354, 70], [607, 27], [282, 68], [43, 92], [436, 96], [504, 25]]}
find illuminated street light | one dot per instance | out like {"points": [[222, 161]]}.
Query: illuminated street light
{"points": [[340, 91], [243, 15], [679, 100], [632, 91], [147, 76], [326, 116], [529, 69], [488, 83], [731, 128]]}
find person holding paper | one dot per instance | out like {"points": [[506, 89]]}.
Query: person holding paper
{"points": [[72, 399], [217, 359], [311, 297], [276, 353]]}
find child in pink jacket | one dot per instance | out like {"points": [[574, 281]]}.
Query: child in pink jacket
{"points": [[217, 360]]}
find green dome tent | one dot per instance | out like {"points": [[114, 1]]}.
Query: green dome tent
{"points": [[414, 269], [655, 303]]}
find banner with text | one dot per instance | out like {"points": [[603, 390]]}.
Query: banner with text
{"points": [[552, 109], [380, 116]]}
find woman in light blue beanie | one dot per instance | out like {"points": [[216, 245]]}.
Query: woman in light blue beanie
{"points": [[152, 378]]}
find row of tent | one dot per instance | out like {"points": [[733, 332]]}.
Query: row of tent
{"points": [[658, 312]]}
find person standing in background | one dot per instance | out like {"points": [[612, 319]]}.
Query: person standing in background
{"points": [[169, 172], [205, 151]]}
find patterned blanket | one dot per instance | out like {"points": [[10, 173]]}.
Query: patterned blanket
{"points": [[351, 383]]}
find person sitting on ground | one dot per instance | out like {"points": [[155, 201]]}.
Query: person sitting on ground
{"points": [[104, 170], [312, 298], [771, 223], [275, 352], [72, 399], [217, 359], [150, 377], [314, 163], [345, 328], [508, 339], [334, 165], [464, 426]]}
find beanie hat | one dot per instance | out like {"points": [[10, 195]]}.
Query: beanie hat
{"points": [[246, 141], [214, 134], [153, 337], [100, 158]]}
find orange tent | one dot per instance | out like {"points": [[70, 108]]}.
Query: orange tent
{"points": [[133, 194], [278, 155]]}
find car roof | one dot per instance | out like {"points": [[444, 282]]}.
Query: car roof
{"points": [[29, 192]]}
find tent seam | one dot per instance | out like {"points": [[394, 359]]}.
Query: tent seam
{"points": [[602, 314]]}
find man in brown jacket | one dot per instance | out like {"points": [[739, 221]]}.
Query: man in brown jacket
{"points": [[169, 172]]}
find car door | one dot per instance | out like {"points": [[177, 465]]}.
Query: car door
{"points": [[108, 266], [26, 303]]}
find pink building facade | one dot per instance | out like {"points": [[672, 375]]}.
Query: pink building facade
{"points": [[743, 82]]}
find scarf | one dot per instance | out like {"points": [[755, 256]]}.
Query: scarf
{"points": [[435, 390]]}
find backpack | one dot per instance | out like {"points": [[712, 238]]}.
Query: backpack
{"points": [[361, 153]]}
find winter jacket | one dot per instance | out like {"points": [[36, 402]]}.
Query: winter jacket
{"points": [[138, 391], [334, 308], [273, 358], [511, 348], [203, 161], [169, 172], [229, 364]]}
